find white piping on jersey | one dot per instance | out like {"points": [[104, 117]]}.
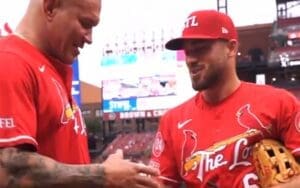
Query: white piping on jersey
{"points": [[64, 100], [168, 179], [17, 138], [248, 106], [193, 135]]}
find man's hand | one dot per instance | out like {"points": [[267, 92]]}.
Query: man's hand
{"points": [[294, 183], [123, 173]]}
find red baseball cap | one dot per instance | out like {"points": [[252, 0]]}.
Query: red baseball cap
{"points": [[205, 24]]}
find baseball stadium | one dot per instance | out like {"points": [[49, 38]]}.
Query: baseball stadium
{"points": [[125, 85], [269, 53]]}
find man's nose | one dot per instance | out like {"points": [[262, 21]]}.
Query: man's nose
{"points": [[190, 59]]}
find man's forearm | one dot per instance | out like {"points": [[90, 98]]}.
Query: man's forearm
{"points": [[20, 168]]}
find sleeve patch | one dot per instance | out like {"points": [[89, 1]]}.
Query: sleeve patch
{"points": [[158, 145]]}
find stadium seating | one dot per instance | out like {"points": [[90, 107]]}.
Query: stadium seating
{"points": [[136, 146], [282, 55]]}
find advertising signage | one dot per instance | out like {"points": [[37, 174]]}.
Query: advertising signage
{"points": [[143, 84], [76, 83]]}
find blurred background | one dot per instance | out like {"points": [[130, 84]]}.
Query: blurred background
{"points": [[126, 79]]}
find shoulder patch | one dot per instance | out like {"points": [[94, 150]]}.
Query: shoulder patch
{"points": [[158, 145]]}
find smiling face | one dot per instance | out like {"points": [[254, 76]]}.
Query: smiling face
{"points": [[69, 26], [207, 62]]}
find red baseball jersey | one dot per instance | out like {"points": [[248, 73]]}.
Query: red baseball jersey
{"points": [[36, 105], [210, 145]]}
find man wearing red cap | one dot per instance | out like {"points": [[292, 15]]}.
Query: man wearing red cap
{"points": [[207, 140]]}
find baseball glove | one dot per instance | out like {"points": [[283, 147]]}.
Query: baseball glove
{"points": [[274, 163]]}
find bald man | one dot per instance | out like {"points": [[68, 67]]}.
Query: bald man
{"points": [[43, 140]]}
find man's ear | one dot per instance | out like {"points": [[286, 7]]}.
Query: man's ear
{"points": [[233, 47], [50, 8]]}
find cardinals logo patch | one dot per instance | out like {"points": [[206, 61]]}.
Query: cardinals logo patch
{"points": [[158, 145]]}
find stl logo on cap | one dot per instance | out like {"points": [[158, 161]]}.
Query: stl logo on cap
{"points": [[204, 24], [191, 22]]}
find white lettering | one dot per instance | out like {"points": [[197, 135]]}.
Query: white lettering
{"points": [[134, 114], [140, 114], [213, 163], [125, 105], [236, 156], [208, 163], [157, 113], [211, 160], [7, 123], [149, 114], [201, 168], [82, 123], [247, 178], [246, 152], [191, 22]]}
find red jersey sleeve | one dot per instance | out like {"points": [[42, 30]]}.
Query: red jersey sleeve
{"points": [[17, 102], [289, 122], [163, 155]]}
